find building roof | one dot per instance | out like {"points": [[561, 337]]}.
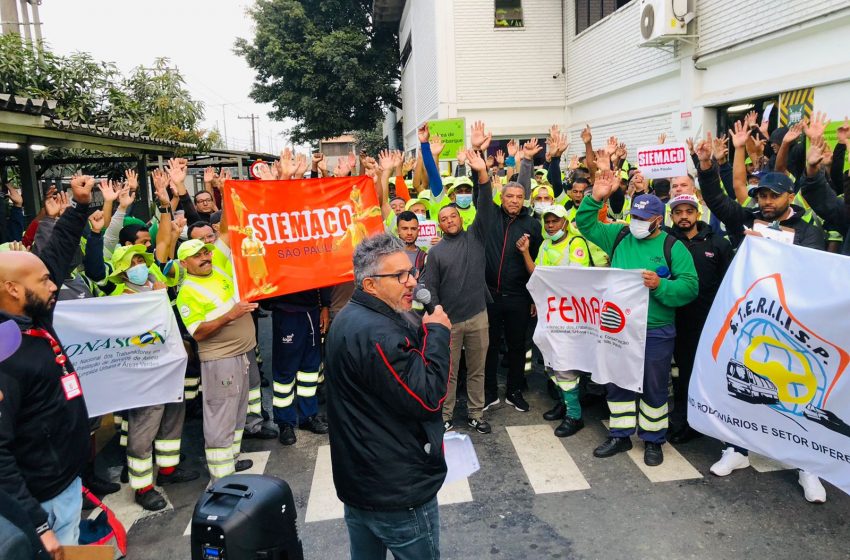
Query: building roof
{"points": [[28, 120], [387, 11]]}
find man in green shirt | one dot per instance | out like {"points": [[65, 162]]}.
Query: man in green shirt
{"points": [[669, 273]]}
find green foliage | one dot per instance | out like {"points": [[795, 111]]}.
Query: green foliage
{"points": [[323, 64], [370, 141], [151, 101]]}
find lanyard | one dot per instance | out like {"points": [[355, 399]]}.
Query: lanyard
{"points": [[61, 359]]}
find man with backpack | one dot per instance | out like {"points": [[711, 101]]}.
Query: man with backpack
{"points": [[669, 273]]}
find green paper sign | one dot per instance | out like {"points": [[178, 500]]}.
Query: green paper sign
{"points": [[453, 134], [830, 134]]}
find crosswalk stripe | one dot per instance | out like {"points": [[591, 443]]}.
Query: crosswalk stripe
{"points": [[123, 504], [323, 503], [765, 464], [674, 467], [260, 458], [547, 464], [456, 492]]}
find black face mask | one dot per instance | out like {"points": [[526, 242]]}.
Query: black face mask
{"points": [[35, 308]]}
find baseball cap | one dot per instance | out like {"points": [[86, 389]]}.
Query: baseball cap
{"points": [[647, 206], [556, 209], [10, 338], [190, 248], [777, 182], [684, 199]]}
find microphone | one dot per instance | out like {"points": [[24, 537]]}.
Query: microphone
{"points": [[423, 296]]}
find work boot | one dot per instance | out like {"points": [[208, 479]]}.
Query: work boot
{"points": [[314, 424], [569, 426], [287, 434], [176, 476], [262, 433], [99, 486], [243, 465], [151, 500], [730, 460], [557, 412], [612, 445], [652, 454]]}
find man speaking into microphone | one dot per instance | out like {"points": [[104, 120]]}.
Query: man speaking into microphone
{"points": [[386, 386]]}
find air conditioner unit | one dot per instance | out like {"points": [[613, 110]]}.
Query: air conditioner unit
{"points": [[662, 19]]}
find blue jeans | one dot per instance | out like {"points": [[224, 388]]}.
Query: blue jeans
{"points": [[410, 534], [63, 513]]}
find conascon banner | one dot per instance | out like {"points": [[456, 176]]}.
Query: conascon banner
{"points": [[290, 236], [770, 372], [592, 319], [127, 350]]}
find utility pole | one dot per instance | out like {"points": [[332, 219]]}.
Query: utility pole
{"points": [[253, 118]]}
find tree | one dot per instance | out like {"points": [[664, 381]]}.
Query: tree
{"points": [[370, 141], [322, 63], [151, 101]]}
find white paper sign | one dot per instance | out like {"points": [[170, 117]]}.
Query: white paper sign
{"points": [[663, 161], [784, 235], [127, 350], [461, 459], [592, 319], [427, 232], [771, 368]]}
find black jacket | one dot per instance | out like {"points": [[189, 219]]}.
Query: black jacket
{"points": [[505, 271], [736, 217], [712, 254], [826, 204], [44, 438], [386, 387]]}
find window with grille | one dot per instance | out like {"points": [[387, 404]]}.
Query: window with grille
{"points": [[589, 12], [508, 13]]}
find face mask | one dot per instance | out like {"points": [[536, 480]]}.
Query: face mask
{"points": [[463, 200], [138, 274], [421, 217], [555, 237], [641, 229], [539, 207]]}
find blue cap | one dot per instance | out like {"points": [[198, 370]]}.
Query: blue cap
{"points": [[777, 182], [647, 206]]}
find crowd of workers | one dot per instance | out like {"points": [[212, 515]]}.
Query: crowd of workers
{"points": [[506, 209]]}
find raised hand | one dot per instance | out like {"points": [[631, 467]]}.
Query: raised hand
{"points": [[816, 127], [264, 172], [843, 132], [500, 158], [815, 154], [586, 135], [317, 158], [662, 138], [480, 136], [622, 151], [126, 197], [209, 175], [343, 167], [574, 163], [108, 190], [323, 166], [423, 133], [461, 157], [160, 183], [739, 134], [475, 161], [531, 149], [720, 149], [750, 120], [287, 164], [398, 160], [15, 196], [352, 162], [603, 161], [755, 147], [97, 221], [386, 159], [410, 163], [690, 144], [611, 146], [53, 205], [176, 170], [513, 147], [704, 150], [81, 186], [300, 166], [132, 178], [604, 184], [437, 145], [793, 133]]}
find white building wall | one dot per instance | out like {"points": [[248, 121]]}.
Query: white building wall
{"points": [[420, 80], [746, 49]]}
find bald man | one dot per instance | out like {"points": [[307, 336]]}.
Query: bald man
{"points": [[44, 432]]}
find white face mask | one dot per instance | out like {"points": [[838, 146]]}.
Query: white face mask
{"points": [[421, 217], [641, 229], [138, 274], [539, 207]]}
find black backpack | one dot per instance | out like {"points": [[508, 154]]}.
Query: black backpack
{"points": [[669, 241]]}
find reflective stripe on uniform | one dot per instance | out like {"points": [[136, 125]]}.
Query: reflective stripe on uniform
{"points": [[653, 419], [307, 377], [653, 412], [167, 445], [302, 391], [283, 388], [621, 422], [283, 402], [622, 407], [255, 401], [139, 472], [237, 442]]}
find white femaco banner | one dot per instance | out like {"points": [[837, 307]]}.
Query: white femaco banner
{"points": [[771, 369], [592, 319], [127, 350]]}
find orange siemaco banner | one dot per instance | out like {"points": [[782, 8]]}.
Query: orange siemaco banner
{"points": [[290, 236]]}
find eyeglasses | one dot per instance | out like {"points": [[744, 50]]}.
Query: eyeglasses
{"points": [[402, 276]]}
